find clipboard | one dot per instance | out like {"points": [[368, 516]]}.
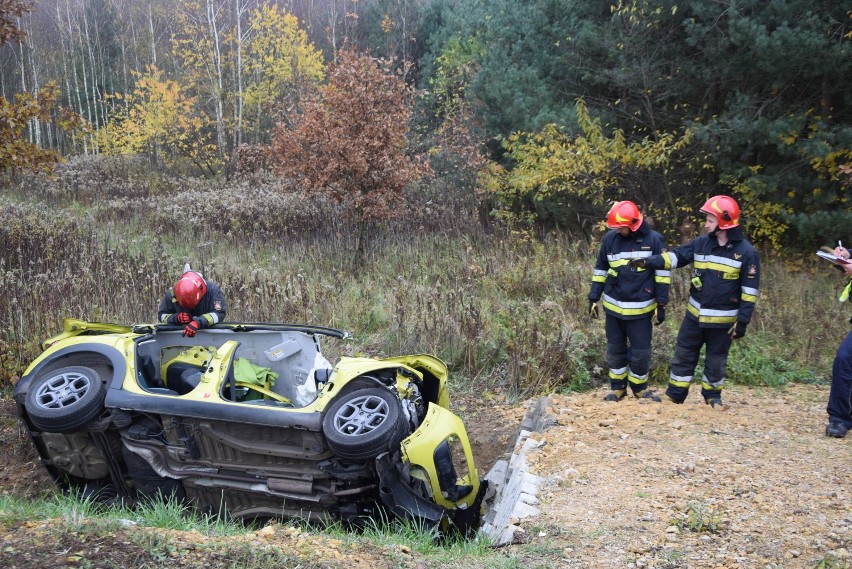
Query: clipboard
{"points": [[832, 258]]}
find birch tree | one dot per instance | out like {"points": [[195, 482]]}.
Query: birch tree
{"points": [[281, 66]]}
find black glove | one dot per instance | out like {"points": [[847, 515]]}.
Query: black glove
{"points": [[652, 262], [593, 309], [191, 329], [660, 314], [738, 329], [183, 318]]}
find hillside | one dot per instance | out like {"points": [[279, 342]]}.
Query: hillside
{"points": [[630, 484]]}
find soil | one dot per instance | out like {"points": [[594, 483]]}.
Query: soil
{"points": [[627, 484]]}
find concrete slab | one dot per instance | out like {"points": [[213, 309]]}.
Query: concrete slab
{"points": [[515, 488]]}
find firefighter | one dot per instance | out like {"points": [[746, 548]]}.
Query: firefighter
{"points": [[630, 298], [193, 303], [840, 397], [722, 294]]}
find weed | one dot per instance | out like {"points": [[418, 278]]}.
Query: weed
{"points": [[832, 562], [672, 559], [701, 517]]}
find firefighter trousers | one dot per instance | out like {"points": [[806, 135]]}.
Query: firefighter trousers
{"points": [[840, 397], [628, 352], [690, 338]]}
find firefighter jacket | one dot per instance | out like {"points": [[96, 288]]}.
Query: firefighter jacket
{"points": [[629, 293], [210, 310], [725, 281]]}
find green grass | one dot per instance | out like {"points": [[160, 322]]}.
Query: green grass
{"points": [[145, 525]]}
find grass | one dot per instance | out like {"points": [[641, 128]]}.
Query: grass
{"points": [[104, 241], [158, 532]]}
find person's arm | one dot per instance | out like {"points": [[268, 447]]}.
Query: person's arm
{"points": [[169, 309], [673, 259], [662, 277], [750, 285], [599, 274], [217, 307]]}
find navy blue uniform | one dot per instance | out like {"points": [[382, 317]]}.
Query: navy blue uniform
{"points": [[724, 289], [840, 397], [211, 308], [630, 298]]}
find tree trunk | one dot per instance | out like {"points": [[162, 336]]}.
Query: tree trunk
{"points": [[217, 81], [153, 37]]}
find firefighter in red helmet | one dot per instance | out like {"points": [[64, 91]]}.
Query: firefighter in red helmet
{"points": [[630, 299], [724, 288], [193, 303]]}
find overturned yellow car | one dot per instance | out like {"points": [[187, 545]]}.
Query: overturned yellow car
{"points": [[251, 421]]}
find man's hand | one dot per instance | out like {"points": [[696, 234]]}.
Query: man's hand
{"points": [[738, 329], [637, 264], [184, 318], [593, 309], [660, 314], [191, 329]]}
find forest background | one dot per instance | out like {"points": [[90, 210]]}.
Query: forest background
{"points": [[431, 174]]}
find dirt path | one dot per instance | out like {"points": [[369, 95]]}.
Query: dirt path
{"points": [[629, 484], [642, 484]]}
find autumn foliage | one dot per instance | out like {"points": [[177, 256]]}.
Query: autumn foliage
{"points": [[351, 141], [16, 151]]}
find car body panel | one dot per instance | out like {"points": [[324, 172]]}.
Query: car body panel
{"points": [[179, 416], [419, 449]]}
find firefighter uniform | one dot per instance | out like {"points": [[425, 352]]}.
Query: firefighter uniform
{"points": [[210, 310], [630, 298], [723, 292], [840, 397]]}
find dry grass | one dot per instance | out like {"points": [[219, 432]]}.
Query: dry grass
{"points": [[104, 241]]}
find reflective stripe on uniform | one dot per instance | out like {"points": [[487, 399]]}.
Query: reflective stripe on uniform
{"points": [[680, 380], [716, 263], [707, 384], [629, 308], [626, 256], [661, 276], [637, 379], [599, 276], [669, 260], [749, 294], [619, 373], [710, 316]]}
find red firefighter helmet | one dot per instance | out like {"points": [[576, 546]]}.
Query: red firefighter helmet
{"points": [[624, 214], [189, 289], [726, 210]]}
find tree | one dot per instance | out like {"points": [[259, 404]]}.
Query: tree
{"points": [[551, 169], [160, 121], [17, 153], [280, 64], [765, 87], [9, 11], [242, 65], [351, 142]]}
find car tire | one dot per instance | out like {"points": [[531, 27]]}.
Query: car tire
{"points": [[363, 424], [64, 400]]}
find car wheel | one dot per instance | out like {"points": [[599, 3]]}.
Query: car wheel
{"points": [[363, 424], [64, 400]]}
